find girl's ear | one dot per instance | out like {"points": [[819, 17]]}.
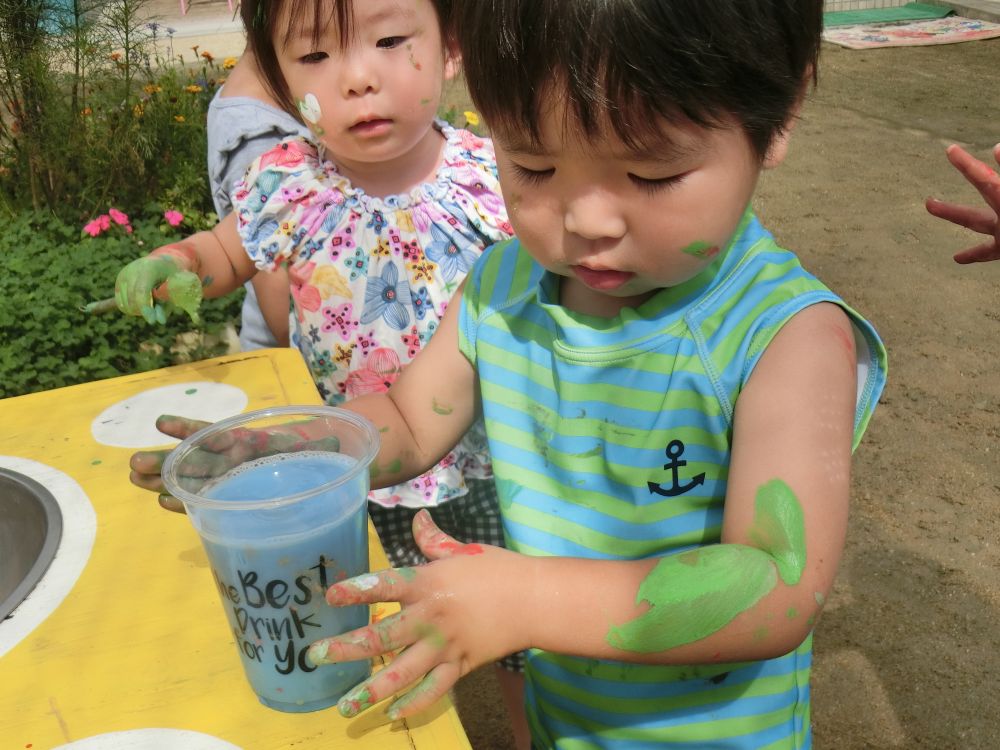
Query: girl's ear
{"points": [[452, 60]]}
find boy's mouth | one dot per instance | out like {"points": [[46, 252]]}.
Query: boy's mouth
{"points": [[601, 281]]}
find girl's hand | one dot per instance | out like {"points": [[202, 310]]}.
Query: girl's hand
{"points": [[222, 453], [982, 220], [146, 465], [459, 612], [169, 274]]}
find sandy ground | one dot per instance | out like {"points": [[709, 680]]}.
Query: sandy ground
{"points": [[909, 647], [907, 650]]}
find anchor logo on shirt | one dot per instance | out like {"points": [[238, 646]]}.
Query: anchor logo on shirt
{"points": [[674, 450]]}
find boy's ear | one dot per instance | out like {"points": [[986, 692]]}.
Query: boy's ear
{"points": [[778, 149]]}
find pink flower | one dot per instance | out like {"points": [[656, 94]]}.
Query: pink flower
{"points": [[118, 217], [93, 227], [174, 218], [104, 221]]}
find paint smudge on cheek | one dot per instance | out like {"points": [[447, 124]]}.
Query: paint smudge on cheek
{"points": [[311, 112], [701, 249], [413, 61]]}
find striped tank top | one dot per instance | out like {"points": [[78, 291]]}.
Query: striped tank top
{"points": [[582, 414]]}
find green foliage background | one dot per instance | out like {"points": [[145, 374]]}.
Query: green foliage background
{"points": [[94, 116], [46, 341]]}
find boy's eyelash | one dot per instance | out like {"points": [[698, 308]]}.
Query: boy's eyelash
{"points": [[653, 186], [313, 57], [531, 176], [390, 42]]}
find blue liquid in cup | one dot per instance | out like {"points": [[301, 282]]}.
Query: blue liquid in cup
{"points": [[272, 567]]}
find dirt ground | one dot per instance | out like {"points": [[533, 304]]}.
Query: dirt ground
{"points": [[908, 650]]}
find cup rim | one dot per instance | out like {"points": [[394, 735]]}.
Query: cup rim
{"points": [[181, 450]]}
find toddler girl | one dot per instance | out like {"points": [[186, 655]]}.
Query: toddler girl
{"points": [[378, 218]]}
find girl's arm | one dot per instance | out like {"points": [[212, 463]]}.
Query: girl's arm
{"points": [[427, 410], [206, 264], [272, 288], [753, 596]]}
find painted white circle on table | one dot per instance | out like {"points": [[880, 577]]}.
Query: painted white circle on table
{"points": [[79, 527], [150, 739], [132, 423]]}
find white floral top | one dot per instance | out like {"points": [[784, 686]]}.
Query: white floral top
{"points": [[371, 277]]}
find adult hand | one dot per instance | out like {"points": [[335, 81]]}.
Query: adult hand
{"points": [[982, 220], [146, 465], [168, 274], [455, 618]]}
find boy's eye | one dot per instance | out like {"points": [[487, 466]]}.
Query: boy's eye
{"points": [[531, 176], [313, 57], [390, 42], [652, 185]]}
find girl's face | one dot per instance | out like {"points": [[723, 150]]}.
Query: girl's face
{"points": [[373, 101], [618, 225]]}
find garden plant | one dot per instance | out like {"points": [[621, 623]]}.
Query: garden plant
{"points": [[102, 156]]}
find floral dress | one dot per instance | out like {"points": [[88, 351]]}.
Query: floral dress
{"points": [[372, 277]]}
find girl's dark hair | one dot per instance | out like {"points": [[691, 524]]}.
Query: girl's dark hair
{"points": [[261, 20], [628, 63]]}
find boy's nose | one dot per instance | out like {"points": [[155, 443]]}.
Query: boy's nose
{"points": [[593, 216]]}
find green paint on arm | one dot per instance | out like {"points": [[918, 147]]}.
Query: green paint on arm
{"points": [[693, 594], [779, 529], [439, 408]]}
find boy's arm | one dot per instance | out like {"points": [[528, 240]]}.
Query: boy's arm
{"points": [[754, 596], [207, 264]]}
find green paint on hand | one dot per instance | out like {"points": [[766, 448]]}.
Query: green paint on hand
{"points": [[427, 685], [356, 701], [792, 613], [184, 291]]}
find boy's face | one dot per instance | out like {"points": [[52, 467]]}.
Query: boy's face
{"points": [[373, 100], [617, 225]]}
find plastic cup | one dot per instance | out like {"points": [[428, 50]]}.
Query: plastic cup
{"points": [[278, 497]]}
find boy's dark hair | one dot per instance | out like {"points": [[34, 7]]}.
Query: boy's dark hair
{"points": [[261, 20], [627, 63]]}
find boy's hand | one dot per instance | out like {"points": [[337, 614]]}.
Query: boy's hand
{"points": [[982, 220], [452, 620], [169, 274], [146, 465]]}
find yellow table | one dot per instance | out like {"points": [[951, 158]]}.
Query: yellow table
{"points": [[140, 640]]}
